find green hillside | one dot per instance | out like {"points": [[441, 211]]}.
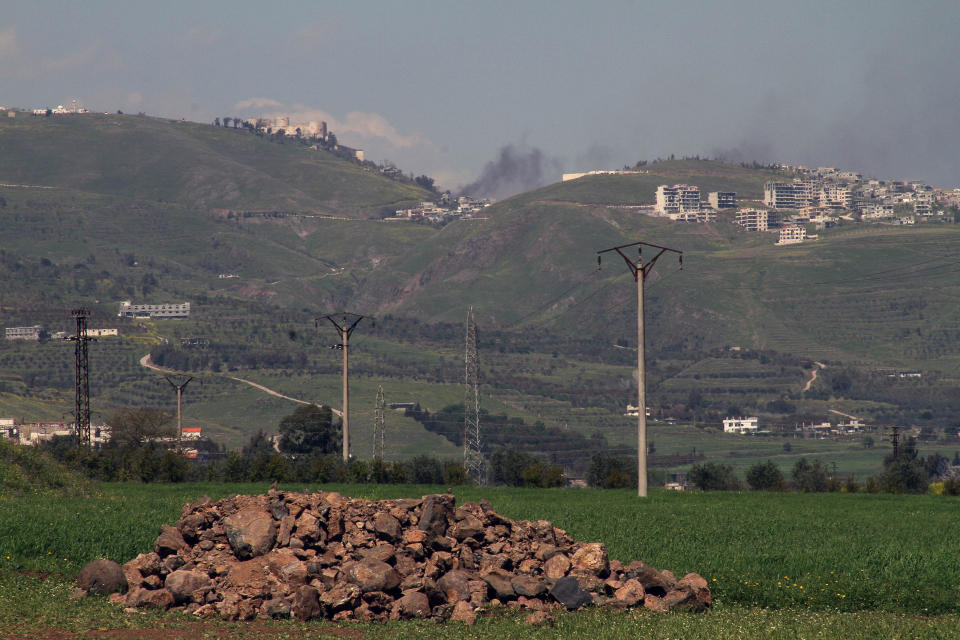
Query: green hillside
{"points": [[641, 188], [558, 337], [194, 165]]}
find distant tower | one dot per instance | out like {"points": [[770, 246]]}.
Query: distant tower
{"points": [[472, 454], [82, 395], [378, 427]]}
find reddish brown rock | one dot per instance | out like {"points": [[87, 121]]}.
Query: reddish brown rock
{"points": [[463, 612], [592, 558], [654, 603], [557, 566], [455, 586], [387, 526], [150, 598], [468, 527], [183, 583], [436, 514], [317, 555], [500, 583], [342, 596], [372, 575], [169, 541], [412, 605], [250, 533], [102, 576], [528, 586], [631, 593]]}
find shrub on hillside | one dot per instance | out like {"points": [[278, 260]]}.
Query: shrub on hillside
{"points": [[810, 477], [714, 476], [766, 476]]}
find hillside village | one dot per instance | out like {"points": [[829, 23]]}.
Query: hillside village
{"points": [[821, 197]]}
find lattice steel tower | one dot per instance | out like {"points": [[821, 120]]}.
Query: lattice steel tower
{"points": [[378, 428], [82, 394], [472, 454]]}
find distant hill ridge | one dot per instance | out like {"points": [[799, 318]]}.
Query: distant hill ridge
{"points": [[191, 164]]}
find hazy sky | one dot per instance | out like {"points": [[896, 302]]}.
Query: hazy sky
{"points": [[440, 87]]}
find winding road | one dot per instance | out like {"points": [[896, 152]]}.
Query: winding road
{"points": [[145, 362], [813, 375]]}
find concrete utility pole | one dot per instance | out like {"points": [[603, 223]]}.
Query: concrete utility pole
{"points": [[640, 271], [378, 424], [179, 387], [345, 323]]}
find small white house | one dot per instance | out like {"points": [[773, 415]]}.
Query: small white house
{"points": [[742, 426]]}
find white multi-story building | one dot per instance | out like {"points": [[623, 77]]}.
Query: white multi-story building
{"points": [[24, 333], [753, 219], [836, 197], [792, 195], [677, 200], [128, 310], [742, 426], [101, 333], [792, 234], [722, 199], [877, 211]]}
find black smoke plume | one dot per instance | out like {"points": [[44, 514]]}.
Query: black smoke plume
{"points": [[514, 171]]}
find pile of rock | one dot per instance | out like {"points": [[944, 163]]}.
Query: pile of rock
{"points": [[321, 555]]}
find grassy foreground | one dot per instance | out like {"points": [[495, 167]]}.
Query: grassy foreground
{"points": [[790, 566]]}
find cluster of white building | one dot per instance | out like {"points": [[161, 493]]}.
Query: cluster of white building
{"points": [[446, 209], [38, 332], [129, 310], [35, 433], [751, 426]]}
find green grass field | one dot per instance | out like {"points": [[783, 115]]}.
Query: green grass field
{"points": [[779, 565]]}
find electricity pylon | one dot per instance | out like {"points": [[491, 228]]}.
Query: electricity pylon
{"points": [[640, 271], [82, 388], [378, 426], [472, 454], [345, 323]]}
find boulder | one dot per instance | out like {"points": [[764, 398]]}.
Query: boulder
{"points": [[342, 596], [250, 533], [567, 592], [557, 566], [150, 598], [183, 582], [170, 541], [436, 513], [592, 558], [455, 586], [500, 583], [463, 612], [387, 526], [102, 576], [529, 586], [372, 575], [412, 605], [468, 527], [631, 593]]}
